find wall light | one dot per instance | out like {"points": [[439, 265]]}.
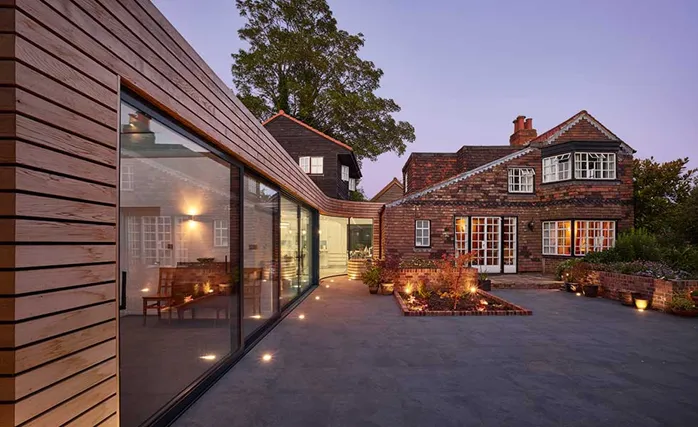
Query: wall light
{"points": [[530, 225]]}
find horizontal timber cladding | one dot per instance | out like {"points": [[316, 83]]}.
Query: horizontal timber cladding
{"points": [[63, 63]]}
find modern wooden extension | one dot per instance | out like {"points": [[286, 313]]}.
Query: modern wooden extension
{"points": [[63, 65]]}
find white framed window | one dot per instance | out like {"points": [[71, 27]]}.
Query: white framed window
{"points": [[557, 168], [461, 236], [345, 173], [127, 177], [422, 236], [595, 165], [304, 163], [557, 238], [521, 180], [316, 165], [593, 236], [220, 233], [352, 184]]}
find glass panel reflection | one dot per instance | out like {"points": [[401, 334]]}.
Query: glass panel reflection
{"points": [[179, 252], [290, 252], [360, 237], [261, 213], [306, 248]]}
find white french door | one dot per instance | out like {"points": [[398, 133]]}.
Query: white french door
{"points": [[509, 244], [486, 243]]}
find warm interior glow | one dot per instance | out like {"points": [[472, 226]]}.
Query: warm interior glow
{"points": [[301, 316], [266, 357], [208, 357], [641, 304], [145, 290]]}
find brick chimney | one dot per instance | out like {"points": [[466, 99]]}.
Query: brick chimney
{"points": [[523, 132]]}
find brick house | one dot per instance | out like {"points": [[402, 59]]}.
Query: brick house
{"points": [[331, 164], [391, 192], [522, 207]]}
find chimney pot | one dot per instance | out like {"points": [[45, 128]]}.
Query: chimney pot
{"points": [[528, 124], [519, 123]]}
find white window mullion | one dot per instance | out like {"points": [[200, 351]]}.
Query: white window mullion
{"points": [[304, 163]]}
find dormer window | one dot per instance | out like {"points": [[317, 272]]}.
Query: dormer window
{"points": [[557, 168], [595, 165], [521, 180], [345, 173]]}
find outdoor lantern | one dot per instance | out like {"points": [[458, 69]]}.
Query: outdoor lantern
{"points": [[641, 304]]}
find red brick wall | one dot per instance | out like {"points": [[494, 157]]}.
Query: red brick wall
{"points": [[425, 169], [486, 194], [659, 291], [470, 157]]}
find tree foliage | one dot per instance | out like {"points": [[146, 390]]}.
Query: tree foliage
{"points": [[299, 61], [663, 194]]}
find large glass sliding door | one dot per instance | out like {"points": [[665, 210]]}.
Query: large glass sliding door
{"points": [[333, 246], [290, 253], [260, 277], [179, 256]]}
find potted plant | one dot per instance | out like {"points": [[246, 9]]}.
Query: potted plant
{"points": [[682, 306], [372, 278], [483, 282], [590, 284], [694, 296], [576, 277], [389, 272]]}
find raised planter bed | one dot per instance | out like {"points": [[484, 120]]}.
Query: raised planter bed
{"points": [[356, 267], [496, 307]]}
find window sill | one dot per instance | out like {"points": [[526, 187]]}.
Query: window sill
{"points": [[584, 181]]}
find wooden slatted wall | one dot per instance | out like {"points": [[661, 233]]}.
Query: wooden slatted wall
{"points": [[61, 65]]}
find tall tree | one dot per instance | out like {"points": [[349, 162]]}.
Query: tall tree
{"points": [[300, 62], [661, 192]]}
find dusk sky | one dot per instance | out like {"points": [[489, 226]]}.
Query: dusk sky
{"points": [[463, 70]]}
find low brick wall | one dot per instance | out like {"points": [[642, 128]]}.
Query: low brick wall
{"points": [[658, 291], [414, 276]]}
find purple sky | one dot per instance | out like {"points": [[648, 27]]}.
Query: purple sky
{"points": [[462, 73]]}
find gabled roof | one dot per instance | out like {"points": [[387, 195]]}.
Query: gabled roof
{"points": [[281, 113], [555, 133], [461, 177], [392, 183]]}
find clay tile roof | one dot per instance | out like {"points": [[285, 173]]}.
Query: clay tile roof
{"points": [[395, 181], [282, 113]]}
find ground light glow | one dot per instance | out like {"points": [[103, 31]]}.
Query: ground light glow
{"points": [[145, 290], [208, 357], [327, 286], [266, 357], [317, 297], [256, 316], [301, 316]]}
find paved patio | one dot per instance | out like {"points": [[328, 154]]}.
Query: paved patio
{"points": [[354, 361]]}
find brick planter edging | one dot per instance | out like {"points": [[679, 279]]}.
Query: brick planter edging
{"points": [[659, 291], [517, 310]]}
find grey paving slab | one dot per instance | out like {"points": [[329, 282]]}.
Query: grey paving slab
{"points": [[355, 361]]}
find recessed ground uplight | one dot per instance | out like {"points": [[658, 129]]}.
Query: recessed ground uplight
{"points": [[473, 289], [256, 316], [208, 357], [266, 357], [301, 316], [579, 294], [332, 280], [145, 290], [317, 297], [327, 286]]}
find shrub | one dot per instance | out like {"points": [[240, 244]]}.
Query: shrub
{"points": [[681, 304], [684, 258], [455, 276], [694, 293], [636, 245], [564, 268], [579, 273], [389, 269], [372, 275]]}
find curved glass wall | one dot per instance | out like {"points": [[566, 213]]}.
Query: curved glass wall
{"points": [[360, 237], [333, 246]]}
